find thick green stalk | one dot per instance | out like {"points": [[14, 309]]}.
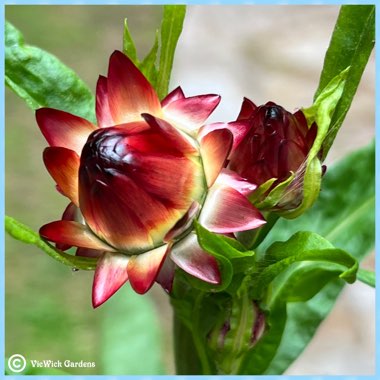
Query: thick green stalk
{"points": [[186, 358]]}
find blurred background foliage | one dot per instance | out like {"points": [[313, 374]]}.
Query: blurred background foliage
{"points": [[48, 307]]}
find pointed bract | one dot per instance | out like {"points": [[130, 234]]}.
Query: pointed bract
{"points": [[215, 147], [226, 210], [103, 112], [129, 92], [190, 257], [143, 269], [72, 233], [176, 94], [63, 166], [110, 274], [191, 113], [64, 129]]}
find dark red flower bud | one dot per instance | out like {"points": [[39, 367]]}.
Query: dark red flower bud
{"points": [[275, 147]]}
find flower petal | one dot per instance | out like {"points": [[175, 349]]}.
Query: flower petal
{"points": [[215, 147], [247, 109], [190, 257], [72, 233], [103, 112], [180, 141], [143, 269], [190, 113], [176, 94], [110, 275], [239, 130], [64, 129], [226, 210], [231, 179], [70, 213], [87, 252], [165, 276], [63, 166], [129, 92]]}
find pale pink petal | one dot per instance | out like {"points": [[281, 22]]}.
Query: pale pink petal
{"points": [[63, 166], [190, 113], [143, 269], [226, 210], [103, 112], [190, 257], [215, 147], [110, 275], [239, 130], [64, 129], [231, 179], [129, 92], [176, 94], [72, 233]]}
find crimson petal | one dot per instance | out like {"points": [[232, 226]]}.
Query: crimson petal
{"points": [[103, 112], [226, 210], [174, 95], [143, 269], [72, 233], [247, 109], [64, 129], [190, 257], [110, 275], [215, 147], [129, 92], [63, 166], [165, 276]]}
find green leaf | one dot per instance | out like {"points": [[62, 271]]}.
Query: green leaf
{"points": [[367, 276], [148, 65], [130, 331], [344, 215], [302, 246], [350, 46], [171, 29], [23, 233], [217, 244], [42, 80], [129, 47]]}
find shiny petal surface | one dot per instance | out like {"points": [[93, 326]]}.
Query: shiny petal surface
{"points": [[239, 130], [231, 179], [143, 269], [172, 135], [247, 109], [64, 129], [103, 112], [226, 210], [63, 166], [70, 213], [190, 257], [215, 147], [190, 113], [72, 233], [165, 276], [110, 275], [176, 94], [129, 93]]}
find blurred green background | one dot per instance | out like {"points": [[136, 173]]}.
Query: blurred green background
{"points": [[262, 52]]}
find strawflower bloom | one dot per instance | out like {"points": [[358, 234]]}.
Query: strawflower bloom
{"points": [[274, 149], [138, 180]]}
